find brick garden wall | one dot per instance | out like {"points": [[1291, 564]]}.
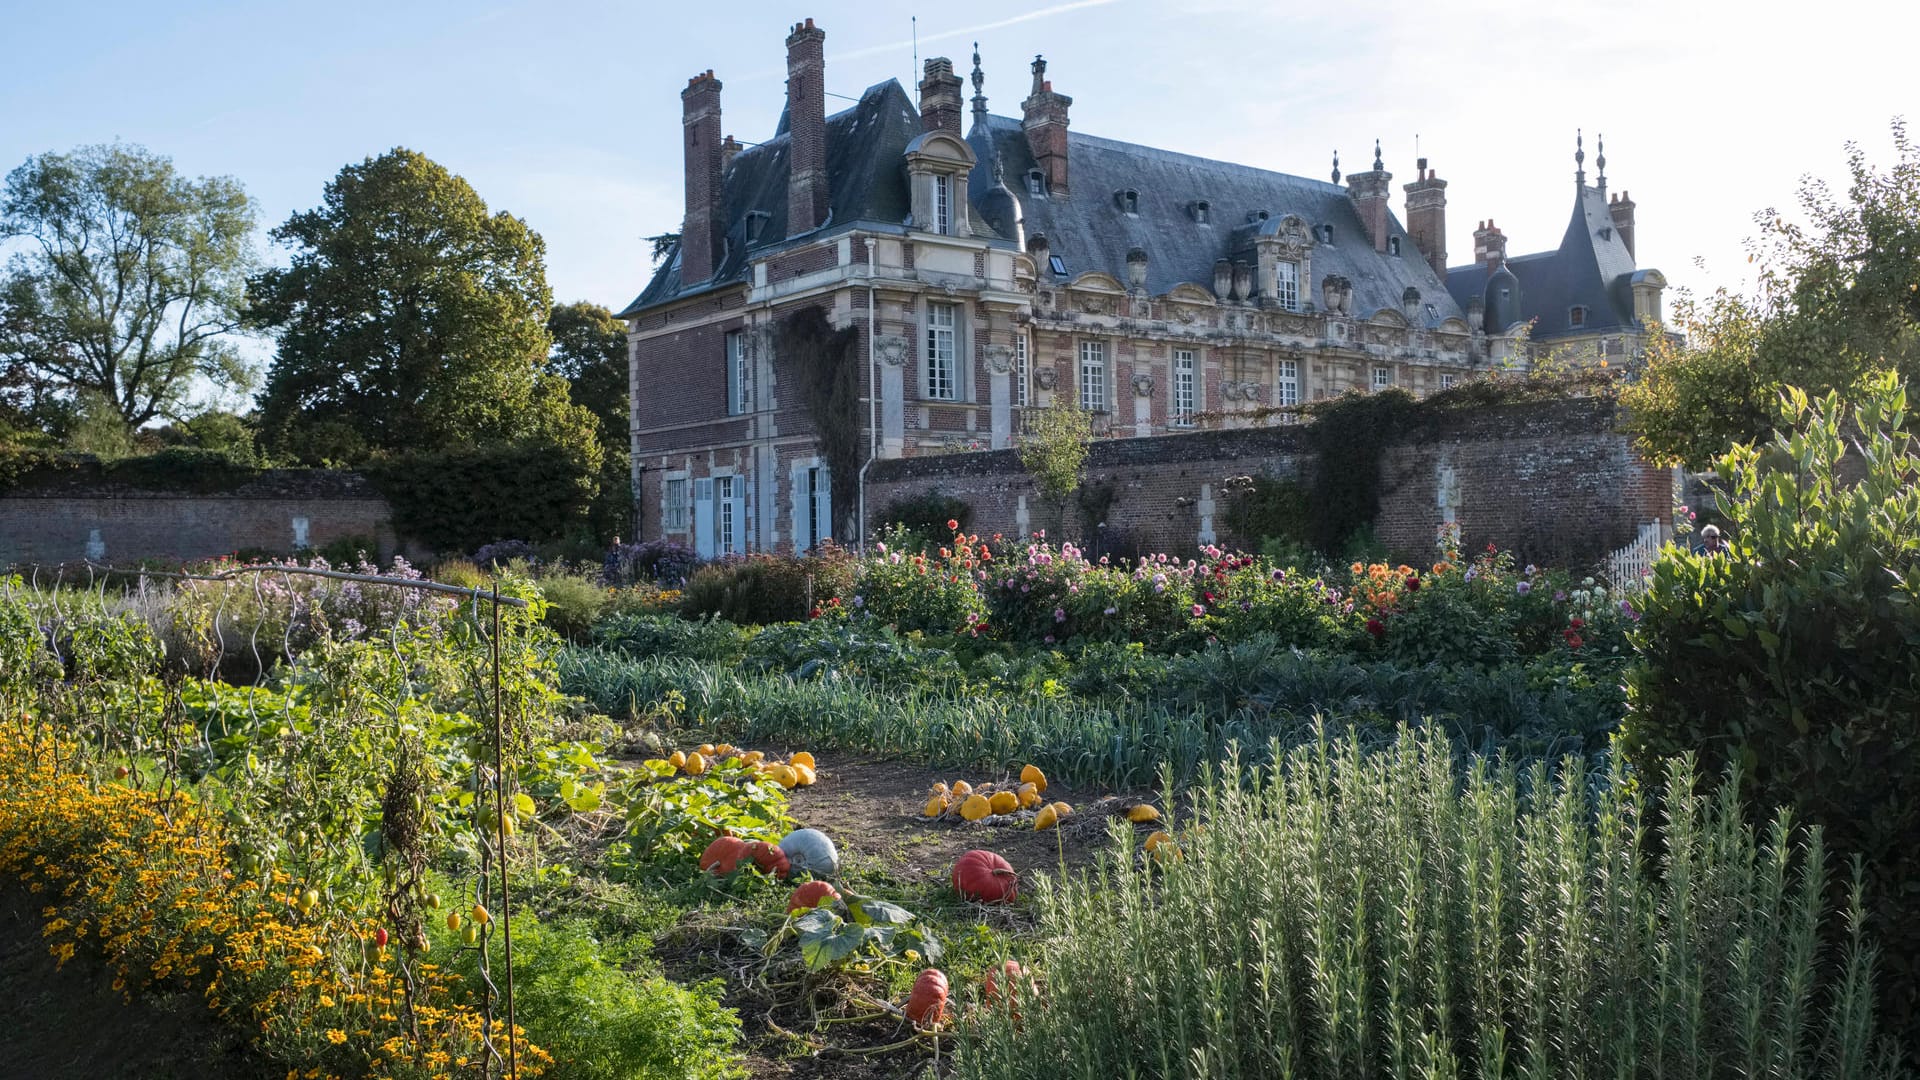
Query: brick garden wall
{"points": [[71, 522], [1556, 482]]}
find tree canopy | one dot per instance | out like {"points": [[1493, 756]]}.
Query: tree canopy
{"points": [[128, 282], [1837, 300], [590, 352], [410, 318]]}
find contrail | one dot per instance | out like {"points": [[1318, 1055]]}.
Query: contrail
{"points": [[907, 43]]}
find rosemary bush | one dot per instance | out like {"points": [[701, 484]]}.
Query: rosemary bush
{"points": [[1400, 912]]}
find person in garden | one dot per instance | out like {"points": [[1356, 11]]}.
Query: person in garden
{"points": [[1710, 541]]}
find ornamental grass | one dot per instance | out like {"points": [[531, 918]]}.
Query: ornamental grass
{"points": [[1401, 913], [142, 880]]}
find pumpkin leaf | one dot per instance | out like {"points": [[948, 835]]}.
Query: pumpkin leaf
{"points": [[868, 912]]}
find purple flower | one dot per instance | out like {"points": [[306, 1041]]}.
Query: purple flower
{"points": [[1199, 610], [1026, 588], [1559, 596], [1279, 575], [1049, 639], [1523, 588], [1472, 572], [1059, 614], [859, 601], [1111, 611]]}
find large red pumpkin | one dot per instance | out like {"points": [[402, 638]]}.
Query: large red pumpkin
{"points": [[928, 1002], [984, 876], [768, 858], [723, 855], [811, 895]]}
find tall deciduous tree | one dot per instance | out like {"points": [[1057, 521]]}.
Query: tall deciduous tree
{"points": [[128, 282], [1054, 450], [1838, 299], [411, 318], [590, 352]]}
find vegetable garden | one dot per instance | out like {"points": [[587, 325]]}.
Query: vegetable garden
{"points": [[985, 808]]}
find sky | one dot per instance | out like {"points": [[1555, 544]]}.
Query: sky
{"points": [[568, 114]]}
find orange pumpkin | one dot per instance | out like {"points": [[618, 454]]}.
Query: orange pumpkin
{"points": [[1014, 980], [811, 895], [985, 876], [723, 855], [768, 858], [928, 1002]]}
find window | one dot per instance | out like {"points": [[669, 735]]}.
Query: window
{"points": [[1183, 388], [1036, 182], [942, 204], [1289, 383], [1093, 376], [1058, 265], [1202, 213], [673, 517], [814, 508], [1129, 201], [941, 362], [1393, 245], [1022, 375], [1447, 381], [1382, 378], [728, 509], [739, 375], [1577, 316], [1286, 284], [1326, 234]]}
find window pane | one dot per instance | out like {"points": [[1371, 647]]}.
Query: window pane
{"points": [[1287, 284], [941, 212], [1183, 387], [940, 351], [1289, 382], [1021, 375], [1093, 376]]}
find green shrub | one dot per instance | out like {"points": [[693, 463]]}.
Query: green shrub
{"points": [[1794, 654], [754, 590], [461, 498], [461, 573], [603, 1023], [912, 591], [574, 604], [643, 635], [1366, 914], [926, 515]]}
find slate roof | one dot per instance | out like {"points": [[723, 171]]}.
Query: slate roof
{"points": [[1089, 230], [867, 180], [1591, 268]]}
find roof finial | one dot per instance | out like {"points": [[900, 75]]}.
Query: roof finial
{"points": [[1336, 166], [1600, 159], [1377, 165], [1579, 158], [979, 95]]}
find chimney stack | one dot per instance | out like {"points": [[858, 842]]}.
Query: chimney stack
{"points": [[807, 193], [1489, 245], [729, 149], [1369, 191], [1621, 207], [1427, 217], [940, 97], [700, 230], [1044, 119]]}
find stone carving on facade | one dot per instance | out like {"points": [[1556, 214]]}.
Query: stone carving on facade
{"points": [[1386, 335], [1000, 359], [1184, 314], [1336, 295], [1296, 324], [1143, 385], [892, 349], [1096, 305], [1045, 378]]}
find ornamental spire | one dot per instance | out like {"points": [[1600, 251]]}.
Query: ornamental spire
{"points": [[979, 80], [1579, 158], [1336, 166]]}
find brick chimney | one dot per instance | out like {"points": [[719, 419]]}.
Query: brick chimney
{"points": [[1044, 119], [1489, 245], [940, 97], [1427, 217], [700, 230], [1369, 191], [729, 149], [1621, 207], [807, 193]]}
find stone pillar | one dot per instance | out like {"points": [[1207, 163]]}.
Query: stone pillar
{"points": [[893, 395], [1142, 403], [1022, 521], [1205, 508], [1000, 394]]}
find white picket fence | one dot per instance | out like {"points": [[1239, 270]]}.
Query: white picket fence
{"points": [[1631, 566]]}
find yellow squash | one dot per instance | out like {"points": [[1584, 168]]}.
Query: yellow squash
{"points": [[975, 808], [1004, 802], [1032, 775]]}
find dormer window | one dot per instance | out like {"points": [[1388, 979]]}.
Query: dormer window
{"points": [[756, 221], [1393, 245], [1057, 265], [1256, 217], [1129, 201], [1326, 234], [1577, 316], [943, 204], [1036, 182], [1202, 213]]}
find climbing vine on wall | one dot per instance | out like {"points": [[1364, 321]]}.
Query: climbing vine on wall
{"points": [[829, 369]]}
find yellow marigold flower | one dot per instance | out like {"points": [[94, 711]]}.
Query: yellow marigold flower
{"points": [[336, 1036]]}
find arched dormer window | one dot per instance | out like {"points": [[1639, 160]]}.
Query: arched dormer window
{"points": [[1393, 245], [937, 168], [1036, 183], [1128, 200]]}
